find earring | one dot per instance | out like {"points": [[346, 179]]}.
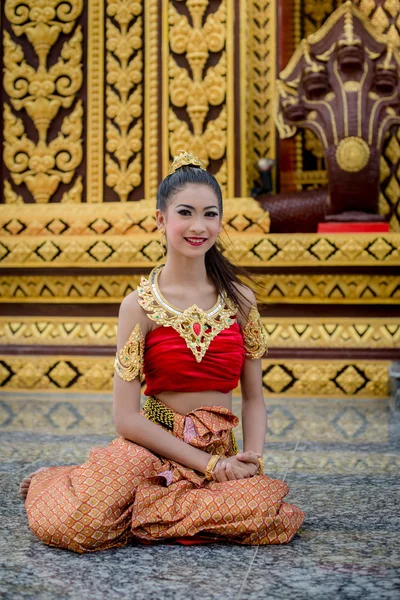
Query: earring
{"points": [[163, 241]]}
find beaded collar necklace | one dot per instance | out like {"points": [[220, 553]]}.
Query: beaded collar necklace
{"points": [[197, 327]]}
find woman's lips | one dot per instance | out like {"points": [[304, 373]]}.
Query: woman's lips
{"points": [[195, 242]]}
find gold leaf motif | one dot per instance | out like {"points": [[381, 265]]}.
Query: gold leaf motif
{"points": [[124, 97], [10, 196], [41, 92], [199, 90]]}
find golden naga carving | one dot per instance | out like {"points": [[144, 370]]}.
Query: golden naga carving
{"points": [[342, 83], [124, 97], [41, 93], [198, 92]]}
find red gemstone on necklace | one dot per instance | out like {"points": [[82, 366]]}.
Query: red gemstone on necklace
{"points": [[196, 328]]}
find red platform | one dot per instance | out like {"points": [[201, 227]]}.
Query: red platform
{"points": [[353, 227]]}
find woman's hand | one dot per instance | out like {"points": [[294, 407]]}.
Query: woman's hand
{"points": [[240, 466]]}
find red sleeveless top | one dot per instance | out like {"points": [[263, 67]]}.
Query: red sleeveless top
{"points": [[169, 365]]}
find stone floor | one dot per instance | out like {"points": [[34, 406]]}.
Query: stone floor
{"points": [[340, 457]]}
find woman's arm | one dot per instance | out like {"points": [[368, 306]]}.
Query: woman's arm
{"points": [[128, 421], [254, 415]]}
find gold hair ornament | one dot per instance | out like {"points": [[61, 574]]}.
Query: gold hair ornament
{"points": [[184, 159]]}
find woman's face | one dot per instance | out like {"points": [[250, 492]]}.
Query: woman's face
{"points": [[192, 220]]}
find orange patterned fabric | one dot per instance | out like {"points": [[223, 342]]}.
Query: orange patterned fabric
{"points": [[126, 493]]}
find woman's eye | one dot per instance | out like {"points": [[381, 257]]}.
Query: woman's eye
{"points": [[184, 212], [211, 214]]}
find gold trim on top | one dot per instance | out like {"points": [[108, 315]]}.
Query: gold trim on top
{"points": [[95, 111]]}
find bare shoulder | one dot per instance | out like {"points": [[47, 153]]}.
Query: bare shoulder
{"points": [[131, 314]]}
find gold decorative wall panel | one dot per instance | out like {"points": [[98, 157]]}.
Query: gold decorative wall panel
{"points": [[282, 332], [259, 63], [124, 96], [384, 16], [275, 288], [284, 377], [38, 94], [251, 250], [200, 40]]}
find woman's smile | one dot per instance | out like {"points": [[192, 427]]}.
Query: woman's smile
{"points": [[195, 241]]}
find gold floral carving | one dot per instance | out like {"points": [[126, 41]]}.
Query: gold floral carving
{"points": [[288, 377], [124, 96], [352, 154], [202, 88], [41, 92], [260, 82]]}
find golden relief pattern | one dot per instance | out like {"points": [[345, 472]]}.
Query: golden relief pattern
{"points": [[282, 288], [254, 336], [124, 96], [202, 88], [385, 18], [286, 377], [241, 215], [129, 360], [41, 92], [258, 87], [144, 250], [283, 332]]}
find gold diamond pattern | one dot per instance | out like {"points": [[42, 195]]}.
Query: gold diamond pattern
{"points": [[4, 374], [265, 250], [323, 248], [380, 249], [277, 379], [367, 6], [100, 226], [350, 380], [56, 226], [153, 251], [380, 20], [384, 169], [352, 249], [48, 251], [392, 6], [62, 374], [240, 222], [101, 251], [14, 227]]}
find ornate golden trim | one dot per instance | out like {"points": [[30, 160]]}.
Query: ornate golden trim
{"points": [[282, 288], [260, 90], [282, 332], [111, 218], [283, 378], [95, 110], [247, 249], [326, 378], [151, 66]]}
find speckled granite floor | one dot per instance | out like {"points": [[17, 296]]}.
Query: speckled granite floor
{"points": [[341, 459]]}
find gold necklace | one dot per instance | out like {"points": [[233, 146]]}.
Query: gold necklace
{"points": [[197, 327]]}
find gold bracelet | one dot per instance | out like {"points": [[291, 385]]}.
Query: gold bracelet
{"points": [[260, 466], [211, 466]]}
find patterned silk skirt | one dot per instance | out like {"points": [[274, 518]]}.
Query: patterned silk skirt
{"points": [[125, 493]]}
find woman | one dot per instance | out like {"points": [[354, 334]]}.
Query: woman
{"points": [[174, 472]]}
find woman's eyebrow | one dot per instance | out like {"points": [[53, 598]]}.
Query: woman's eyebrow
{"points": [[192, 207]]}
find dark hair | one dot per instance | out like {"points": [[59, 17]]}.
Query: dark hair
{"points": [[220, 270]]}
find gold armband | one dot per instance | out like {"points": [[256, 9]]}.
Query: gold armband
{"points": [[128, 361], [255, 339], [260, 466]]}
